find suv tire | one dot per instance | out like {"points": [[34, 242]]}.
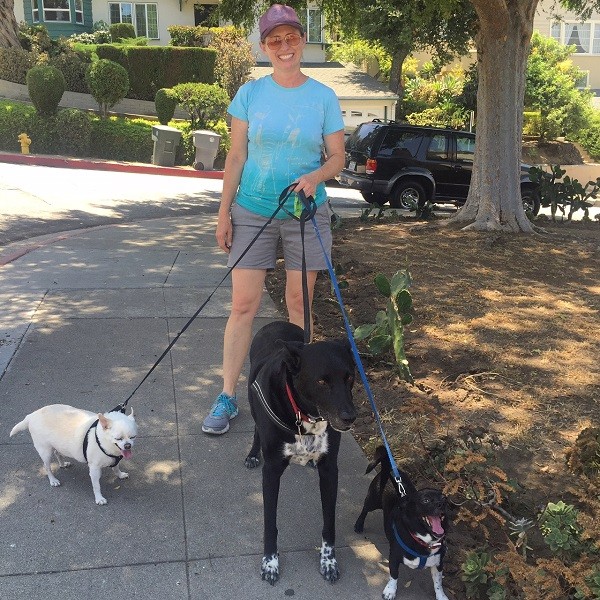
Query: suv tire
{"points": [[374, 198], [408, 195], [531, 200]]}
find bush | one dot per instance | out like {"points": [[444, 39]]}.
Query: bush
{"points": [[117, 138], [234, 59], [532, 123], [165, 103], [73, 66], [46, 86], [74, 130], [15, 118], [14, 64], [120, 31], [206, 104], [108, 83]]}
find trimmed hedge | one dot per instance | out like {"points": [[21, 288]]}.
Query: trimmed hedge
{"points": [[151, 68], [77, 133]]}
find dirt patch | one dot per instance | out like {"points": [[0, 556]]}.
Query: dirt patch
{"points": [[554, 152], [504, 343]]}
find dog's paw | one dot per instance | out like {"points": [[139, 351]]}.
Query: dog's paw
{"points": [[389, 591], [101, 501], [252, 462], [123, 475], [270, 568], [54, 482], [328, 565], [359, 526], [66, 464]]}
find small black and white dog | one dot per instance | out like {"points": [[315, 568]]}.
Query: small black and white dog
{"points": [[415, 524], [301, 399]]}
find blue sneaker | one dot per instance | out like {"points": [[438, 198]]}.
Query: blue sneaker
{"points": [[223, 410]]}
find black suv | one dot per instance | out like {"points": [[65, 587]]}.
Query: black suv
{"points": [[408, 165]]}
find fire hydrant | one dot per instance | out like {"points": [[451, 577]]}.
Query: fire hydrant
{"points": [[25, 143]]}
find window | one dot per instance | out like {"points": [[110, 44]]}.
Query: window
{"points": [[35, 11], [144, 17], [56, 10], [584, 36], [400, 143], [584, 81], [312, 20], [79, 11], [438, 149], [465, 148]]}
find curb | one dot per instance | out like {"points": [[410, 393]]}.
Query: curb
{"points": [[46, 160]]}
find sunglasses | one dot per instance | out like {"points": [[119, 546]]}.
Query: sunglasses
{"points": [[291, 39]]}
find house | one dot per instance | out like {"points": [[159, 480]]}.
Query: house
{"points": [[361, 96], [570, 30]]}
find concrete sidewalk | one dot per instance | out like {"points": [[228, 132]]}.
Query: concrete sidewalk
{"points": [[83, 317]]}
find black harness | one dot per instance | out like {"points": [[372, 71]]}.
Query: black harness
{"points": [[94, 426]]}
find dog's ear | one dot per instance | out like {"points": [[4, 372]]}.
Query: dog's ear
{"points": [[290, 354], [103, 421], [345, 344]]}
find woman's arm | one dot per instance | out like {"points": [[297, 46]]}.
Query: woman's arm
{"points": [[234, 165], [334, 148]]}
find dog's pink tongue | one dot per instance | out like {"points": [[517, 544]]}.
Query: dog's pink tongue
{"points": [[127, 454], [436, 525]]}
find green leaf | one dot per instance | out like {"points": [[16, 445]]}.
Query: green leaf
{"points": [[364, 331], [403, 301], [383, 285], [406, 319], [381, 319], [379, 343], [400, 281]]}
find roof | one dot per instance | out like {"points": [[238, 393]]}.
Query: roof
{"points": [[348, 82]]}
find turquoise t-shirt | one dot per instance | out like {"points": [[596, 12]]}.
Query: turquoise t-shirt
{"points": [[285, 135]]}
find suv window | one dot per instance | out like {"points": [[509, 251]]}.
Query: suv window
{"points": [[362, 138], [438, 148], [465, 148], [400, 143]]}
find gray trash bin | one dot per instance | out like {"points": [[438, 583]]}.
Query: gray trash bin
{"points": [[166, 139], [207, 146]]}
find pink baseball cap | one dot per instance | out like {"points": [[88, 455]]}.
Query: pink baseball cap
{"points": [[278, 14]]}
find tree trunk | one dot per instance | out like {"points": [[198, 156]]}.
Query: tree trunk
{"points": [[395, 84], [8, 25], [494, 201]]}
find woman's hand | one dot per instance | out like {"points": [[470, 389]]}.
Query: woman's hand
{"points": [[308, 183], [224, 232]]}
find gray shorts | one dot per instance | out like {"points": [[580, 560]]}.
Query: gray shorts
{"points": [[263, 253]]}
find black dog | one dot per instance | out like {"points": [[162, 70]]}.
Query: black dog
{"points": [[415, 524], [301, 399]]}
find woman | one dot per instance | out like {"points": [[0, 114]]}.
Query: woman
{"points": [[278, 126]]}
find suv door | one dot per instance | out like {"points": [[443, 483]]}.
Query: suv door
{"points": [[465, 150], [438, 159], [398, 151]]}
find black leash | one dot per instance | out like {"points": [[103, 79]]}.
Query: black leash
{"points": [[285, 194]]}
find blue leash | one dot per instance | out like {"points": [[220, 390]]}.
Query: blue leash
{"points": [[308, 203]]}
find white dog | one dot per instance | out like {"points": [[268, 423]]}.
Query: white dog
{"points": [[100, 440]]}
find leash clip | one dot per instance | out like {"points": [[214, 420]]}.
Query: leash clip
{"points": [[400, 486]]}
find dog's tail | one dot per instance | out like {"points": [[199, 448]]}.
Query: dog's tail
{"points": [[381, 458], [22, 426]]}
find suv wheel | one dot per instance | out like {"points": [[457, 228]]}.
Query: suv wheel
{"points": [[531, 200], [408, 195], [374, 198]]}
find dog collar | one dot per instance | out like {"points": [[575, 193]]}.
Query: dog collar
{"points": [[94, 426], [300, 416], [422, 557]]}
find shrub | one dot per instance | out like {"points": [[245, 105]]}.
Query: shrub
{"points": [[205, 103], [14, 64], [120, 31], [73, 66], [234, 59], [74, 130], [46, 86], [532, 123], [165, 102], [15, 118], [116, 138], [108, 83]]}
